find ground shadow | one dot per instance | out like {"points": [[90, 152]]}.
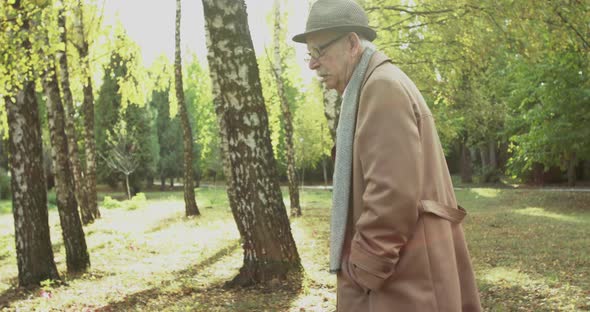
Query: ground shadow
{"points": [[234, 245], [273, 296], [211, 298], [13, 294], [184, 294], [165, 223], [145, 296], [130, 301]]}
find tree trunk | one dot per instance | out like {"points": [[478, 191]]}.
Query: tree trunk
{"points": [[332, 103], [287, 120], [483, 155], [493, 154], [473, 155], [127, 186], [571, 169], [302, 175], [255, 195], [325, 171], [162, 183], [224, 146], [466, 169], [190, 203], [538, 174], [149, 183], [80, 186], [582, 170], [77, 258], [88, 112], [171, 182], [29, 194]]}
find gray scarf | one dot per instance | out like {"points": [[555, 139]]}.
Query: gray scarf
{"points": [[343, 167]]}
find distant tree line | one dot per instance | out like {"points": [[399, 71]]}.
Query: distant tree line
{"points": [[508, 82]]}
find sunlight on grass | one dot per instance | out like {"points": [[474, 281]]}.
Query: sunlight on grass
{"points": [[486, 192], [311, 234], [5, 206], [540, 212], [521, 287], [505, 275]]}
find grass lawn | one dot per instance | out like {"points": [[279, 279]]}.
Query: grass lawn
{"points": [[530, 249]]}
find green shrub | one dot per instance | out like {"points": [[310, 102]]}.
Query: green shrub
{"points": [[136, 201], [110, 203]]}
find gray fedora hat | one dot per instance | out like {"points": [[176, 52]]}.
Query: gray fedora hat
{"points": [[337, 15]]}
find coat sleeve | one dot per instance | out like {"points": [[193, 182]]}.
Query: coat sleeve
{"points": [[388, 144]]}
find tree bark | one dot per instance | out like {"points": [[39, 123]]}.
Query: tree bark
{"points": [[324, 165], [88, 112], [77, 258], [255, 195], [493, 149], [287, 120], [538, 174], [571, 169], [483, 154], [80, 186], [224, 147], [466, 169], [325, 170], [29, 194], [582, 169], [149, 182], [127, 186], [190, 203]]}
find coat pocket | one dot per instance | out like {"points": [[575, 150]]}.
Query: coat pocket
{"points": [[453, 215]]}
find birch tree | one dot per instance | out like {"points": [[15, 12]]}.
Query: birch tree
{"points": [[29, 195], [287, 119], [88, 111], [77, 258], [254, 193], [190, 203], [68, 102]]}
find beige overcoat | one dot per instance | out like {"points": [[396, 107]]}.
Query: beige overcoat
{"points": [[404, 249]]}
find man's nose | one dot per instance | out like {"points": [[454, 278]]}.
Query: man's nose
{"points": [[313, 64]]}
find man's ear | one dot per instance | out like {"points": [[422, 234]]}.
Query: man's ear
{"points": [[355, 42]]}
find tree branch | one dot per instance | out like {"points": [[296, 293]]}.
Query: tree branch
{"points": [[406, 9], [586, 44], [441, 61], [391, 28]]}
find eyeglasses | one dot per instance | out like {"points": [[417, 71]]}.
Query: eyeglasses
{"points": [[316, 53]]}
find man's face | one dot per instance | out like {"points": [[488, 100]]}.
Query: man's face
{"points": [[331, 58]]}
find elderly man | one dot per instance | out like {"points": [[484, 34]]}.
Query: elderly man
{"points": [[396, 242]]}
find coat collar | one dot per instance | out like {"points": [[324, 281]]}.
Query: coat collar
{"points": [[377, 59]]}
